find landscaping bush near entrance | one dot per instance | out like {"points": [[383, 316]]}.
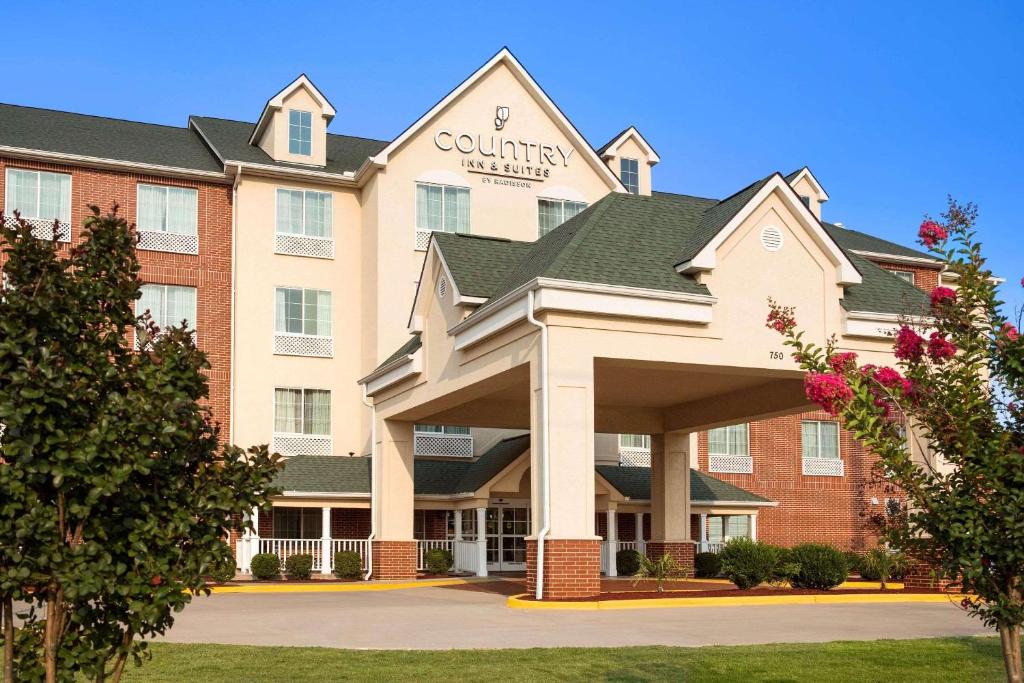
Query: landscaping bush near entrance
{"points": [[748, 563], [298, 566], [223, 572], [822, 566], [438, 560], [265, 566], [707, 565], [348, 564], [627, 562], [882, 564], [853, 561]]}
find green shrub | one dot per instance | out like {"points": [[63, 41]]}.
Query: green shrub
{"points": [[298, 566], [223, 572], [881, 564], [748, 563], [853, 561], [627, 562], [348, 564], [438, 560], [265, 566], [707, 565], [822, 566], [660, 570], [783, 566]]}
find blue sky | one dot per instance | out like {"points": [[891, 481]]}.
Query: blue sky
{"points": [[893, 105]]}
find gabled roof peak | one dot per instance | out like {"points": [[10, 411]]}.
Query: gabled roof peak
{"points": [[277, 102], [610, 147]]}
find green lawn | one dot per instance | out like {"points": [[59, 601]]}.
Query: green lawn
{"points": [[951, 659]]}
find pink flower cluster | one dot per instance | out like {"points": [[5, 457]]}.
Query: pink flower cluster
{"points": [[931, 233], [1010, 331], [841, 362], [909, 345], [780, 318], [939, 348], [827, 390], [891, 379], [942, 295]]}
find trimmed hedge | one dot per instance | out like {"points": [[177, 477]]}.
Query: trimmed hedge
{"points": [[348, 564], [748, 563], [707, 565], [822, 566], [224, 571], [438, 560], [298, 566], [265, 566], [627, 562]]}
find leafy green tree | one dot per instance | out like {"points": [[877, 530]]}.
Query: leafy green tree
{"points": [[959, 387], [116, 495]]}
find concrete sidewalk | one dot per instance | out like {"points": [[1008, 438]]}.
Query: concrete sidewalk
{"points": [[457, 617]]}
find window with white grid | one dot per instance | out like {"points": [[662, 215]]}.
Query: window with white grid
{"points": [[40, 197], [553, 212], [440, 208], [302, 322], [302, 421], [305, 223], [820, 443], [168, 305], [167, 217], [300, 132], [629, 174], [729, 450]]}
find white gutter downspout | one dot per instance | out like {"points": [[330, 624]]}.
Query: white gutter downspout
{"points": [[543, 473], [234, 303], [373, 487]]}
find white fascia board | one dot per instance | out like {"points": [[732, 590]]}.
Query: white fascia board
{"points": [[271, 171], [504, 55], [325, 494], [805, 172], [895, 258], [611, 149], [471, 331], [878, 325], [116, 164], [706, 258], [394, 372], [735, 503]]}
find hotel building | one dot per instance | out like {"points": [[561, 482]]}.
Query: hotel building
{"points": [[543, 354]]}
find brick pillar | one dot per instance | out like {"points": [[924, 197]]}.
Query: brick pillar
{"points": [[572, 568], [919, 576], [394, 560], [681, 552]]}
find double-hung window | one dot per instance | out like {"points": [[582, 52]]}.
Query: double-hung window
{"points": [[300, 132], [40, 197], [302, 421], [722, 528], [302, 322], [168, 305], [305, 223], [905, 275], [635, 450], [729, 450], [442, 440], [553, 212], [440, 208], [821, 448], [629, 174], [167, 218], [298, 523]]}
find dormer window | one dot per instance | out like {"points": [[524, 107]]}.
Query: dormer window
{"points": [[300, 132], [629, 174]]}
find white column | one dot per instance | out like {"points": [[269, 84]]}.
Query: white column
{"points": [[753, 526], [703, 532], [458, 525], [481, 541], [612, 538], [254, 539], [639, 535], [326, 560]]}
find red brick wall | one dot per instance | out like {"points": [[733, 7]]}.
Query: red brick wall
{"points": [[209, 271], [626, 524], [572, 568], [434, 522], [350, 523], [924, 278], [394, 560]]}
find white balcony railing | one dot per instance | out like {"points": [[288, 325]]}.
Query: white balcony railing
{"points": [[301, 444], [318, 548], [153, 240], [301, 245], [823, 467], [468, 556], [42, 228], [422, 239], [709, 547], [634, 457], [731, 464], [286, 344], [422, 547], [354, 545], [286, 547], [452, 445]]}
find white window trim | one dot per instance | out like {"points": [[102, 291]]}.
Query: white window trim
{"points": [[637, 162], [913, 276], [635, 449], [302, 344], [303, 389], [728, 463], [417, 231], [299, 140], [38, 222], [304, 191], [165, 240], [561, 201], [324, 442], [194, 323], [819, 466]]}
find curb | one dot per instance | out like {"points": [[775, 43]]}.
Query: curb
{"points": [[517, 601], [338, 587]]}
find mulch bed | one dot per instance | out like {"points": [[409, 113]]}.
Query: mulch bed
{"points": [[734, 593]]}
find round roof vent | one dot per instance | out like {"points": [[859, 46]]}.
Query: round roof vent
{"points": [[771, 238]]}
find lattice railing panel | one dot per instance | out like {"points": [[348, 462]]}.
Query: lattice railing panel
{"points": [[300, 245], [731, 464], [42, 228], [168, 241], [301, 444], [823, 467], [422, 239], [452, 445], [303, 345], [634, 457]]}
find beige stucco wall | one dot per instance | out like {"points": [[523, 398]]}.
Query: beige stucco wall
{"points": [[631, 149], [274, 138]]}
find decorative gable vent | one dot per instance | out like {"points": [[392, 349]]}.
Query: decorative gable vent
{"points": [[771, 238], [442, 288]]}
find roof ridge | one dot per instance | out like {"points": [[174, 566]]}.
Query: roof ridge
{"points": [[94, 116], [683, 194]]}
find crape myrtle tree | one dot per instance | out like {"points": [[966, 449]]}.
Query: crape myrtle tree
{"points": [[959, 384], [116, 495]]}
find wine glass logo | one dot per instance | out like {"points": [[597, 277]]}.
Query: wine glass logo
{"points": [[500, 117]]}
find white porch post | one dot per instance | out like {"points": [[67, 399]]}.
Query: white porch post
{"points": [[753, 526], [612, 538], [458, 525], [254, 539], [703, 532], [640, 547], [326, 561], [481, 541]]}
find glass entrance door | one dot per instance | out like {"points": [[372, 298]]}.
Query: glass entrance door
{"points": [[507, 528]]}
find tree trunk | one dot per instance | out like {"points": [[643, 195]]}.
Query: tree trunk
{"points": [[1009, 634], [53, 631], [122, 656], [7, 608]]}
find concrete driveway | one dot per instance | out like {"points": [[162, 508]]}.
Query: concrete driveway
{"points": [[465, 617]]}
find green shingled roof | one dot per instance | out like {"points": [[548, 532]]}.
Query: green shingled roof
{"points": [[324, 474], [230, 139], [411, 346], [882, 292], [100, 137], [861, 241], [715, 218], [635, 483], [479, 264]]}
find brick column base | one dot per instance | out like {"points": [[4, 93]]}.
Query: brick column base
{"points": [[919, 575], [572, 568], [681, 552], [394, 560]]}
